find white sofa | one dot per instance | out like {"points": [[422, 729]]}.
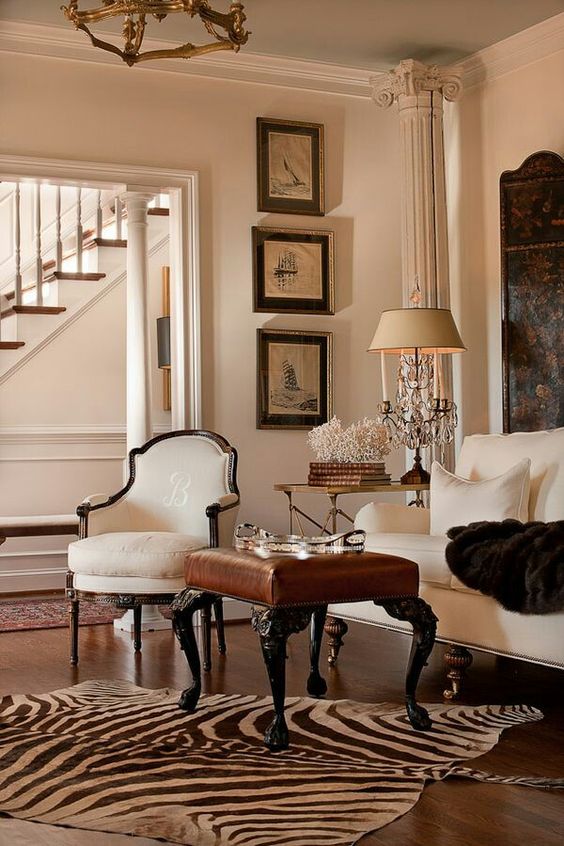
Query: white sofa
{"points": [[468, 618]]}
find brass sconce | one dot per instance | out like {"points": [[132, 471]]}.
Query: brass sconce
{"points": [[163, 338]]}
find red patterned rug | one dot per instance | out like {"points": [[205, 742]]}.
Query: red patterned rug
{"points": [[24, 614]]}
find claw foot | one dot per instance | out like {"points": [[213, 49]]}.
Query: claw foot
{"points": [[189, 699], [418, 716], [277, 737], [316, 685]]}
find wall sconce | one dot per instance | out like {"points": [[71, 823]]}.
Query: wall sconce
{"points": [[163, 338]]}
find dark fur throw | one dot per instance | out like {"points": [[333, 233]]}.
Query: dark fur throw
{"points": [[520, 564]]}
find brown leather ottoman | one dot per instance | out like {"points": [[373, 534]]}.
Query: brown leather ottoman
{"points": [[289, 590]]}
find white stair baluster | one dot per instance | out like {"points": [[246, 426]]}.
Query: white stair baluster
{"points": [[99, 219], [18, 246], [118, 218], [39, 260], [79, 230], [59, 247]]}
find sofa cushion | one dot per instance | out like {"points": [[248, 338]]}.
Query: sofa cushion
{"points": [[483, 456], [456, 501], [148, 555], [428, 551]]}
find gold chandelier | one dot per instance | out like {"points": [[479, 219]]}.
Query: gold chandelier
{"points": [[227, 29]]}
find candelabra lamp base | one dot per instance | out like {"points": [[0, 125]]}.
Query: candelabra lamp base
{"points": [[417, 475]]}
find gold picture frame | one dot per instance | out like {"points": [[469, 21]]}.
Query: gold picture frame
{"points": [[290, 169]]}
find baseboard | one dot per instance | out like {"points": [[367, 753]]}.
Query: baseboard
{"points": [[17, 576], [235, 610]]}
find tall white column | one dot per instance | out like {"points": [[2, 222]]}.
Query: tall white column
{"points": [[419, 90], [138, 362]]}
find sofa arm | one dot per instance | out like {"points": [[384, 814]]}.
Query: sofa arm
{"points": [[221, 531], [383, 517]]}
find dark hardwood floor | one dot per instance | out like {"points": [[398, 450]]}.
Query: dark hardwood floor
{"points": [[370, 668]]}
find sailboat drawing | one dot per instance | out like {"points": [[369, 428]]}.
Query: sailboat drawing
{"points": [[289, 394], [291, 174], [286, 270]]}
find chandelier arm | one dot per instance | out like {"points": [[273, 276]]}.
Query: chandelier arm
{"points": [[105, 45], [184, 51]]}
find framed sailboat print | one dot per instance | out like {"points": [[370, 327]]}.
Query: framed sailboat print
{"points": [[290, 166], [293, 270], [294, 378]]}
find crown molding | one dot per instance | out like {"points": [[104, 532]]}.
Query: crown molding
{"points": [[63, 42], [517, 51]]}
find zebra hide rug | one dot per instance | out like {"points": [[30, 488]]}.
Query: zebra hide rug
{"points": [[112, 757]]}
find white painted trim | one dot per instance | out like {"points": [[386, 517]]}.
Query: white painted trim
{"points": [[63, 42], [72, 317], [185, 256], [529, 45], [35, 553], [9, 459], [88, 433]]}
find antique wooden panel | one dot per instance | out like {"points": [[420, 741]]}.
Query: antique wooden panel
{"points": [[532, 268]]}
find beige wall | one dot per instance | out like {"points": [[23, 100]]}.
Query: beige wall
{"points": [[496, 127], [139, 116]]}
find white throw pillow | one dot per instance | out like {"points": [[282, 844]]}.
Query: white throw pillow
{"points": [[456, 501]]}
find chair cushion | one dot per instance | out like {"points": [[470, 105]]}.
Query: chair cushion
{"points": [[456, 501], [293, 579], [125, 585], [147, 555], [427, 550]]}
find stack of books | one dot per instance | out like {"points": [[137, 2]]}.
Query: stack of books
{"points": [[335, 473]]}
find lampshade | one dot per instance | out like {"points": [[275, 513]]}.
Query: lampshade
{"points": [[427, 329]]}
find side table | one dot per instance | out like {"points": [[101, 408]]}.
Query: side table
{"points": [[335, 627]]}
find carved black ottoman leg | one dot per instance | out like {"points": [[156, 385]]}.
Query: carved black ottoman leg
{"points": [[424, 622], [274, 625], [336, 629], [73, 627], [183, 608], [137, 612], [316, 685], [220, 626], [206, 637]]}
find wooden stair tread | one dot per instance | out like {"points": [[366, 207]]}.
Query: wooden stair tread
{"points": [[11, 345], [159, 211], [105, 242], [32, 309], [64, 275]]}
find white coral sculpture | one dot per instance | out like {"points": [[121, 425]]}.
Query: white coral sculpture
{"points": [[366, 440]]}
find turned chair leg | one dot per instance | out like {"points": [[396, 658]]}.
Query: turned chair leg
{"points": [[457, 659], [137, 613], [206, 637], [183, 608], [316, 685], [73, 630], [219, 626], [424, 623]]}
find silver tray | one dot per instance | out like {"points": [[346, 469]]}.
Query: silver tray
{"points": [[254, 539]]}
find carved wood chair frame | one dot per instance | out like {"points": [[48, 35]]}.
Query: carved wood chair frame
{"points": [[136, 601]]}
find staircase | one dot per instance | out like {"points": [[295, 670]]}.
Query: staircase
{"points": [[77, 251]]}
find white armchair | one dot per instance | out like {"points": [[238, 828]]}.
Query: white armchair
{"points": [[468, 618], [133, 544]]}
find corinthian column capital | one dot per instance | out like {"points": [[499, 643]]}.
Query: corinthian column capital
{"points": [[411, 78]]}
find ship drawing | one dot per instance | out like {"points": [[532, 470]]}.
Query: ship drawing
{"points": [[286, 270], [289, 395], [292, 174]]}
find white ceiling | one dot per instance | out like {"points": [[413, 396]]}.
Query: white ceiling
{"points": [[359, 33]]}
